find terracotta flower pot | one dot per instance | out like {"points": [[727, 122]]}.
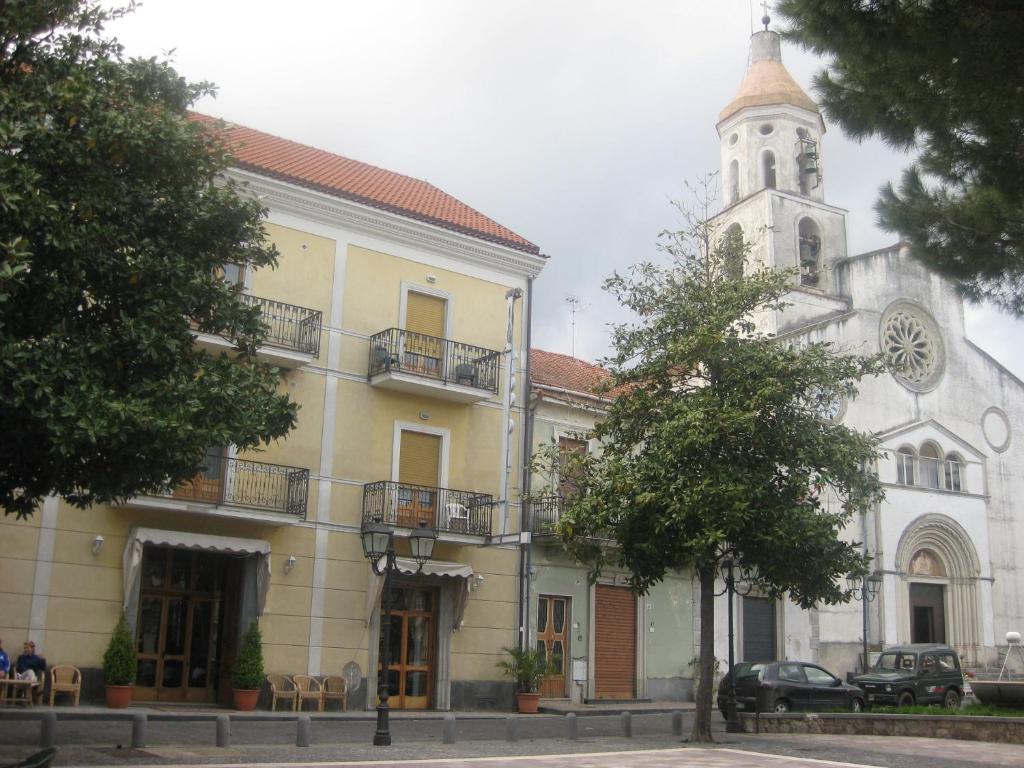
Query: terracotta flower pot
{"points": [[245, 700], [119, 696], [527, 703]]}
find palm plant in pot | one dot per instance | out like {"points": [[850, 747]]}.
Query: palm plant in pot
{"points": [[247, 676], [119, 667], [526, 666]]}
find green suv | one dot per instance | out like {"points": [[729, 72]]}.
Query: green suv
{"points": [[905, 675]]}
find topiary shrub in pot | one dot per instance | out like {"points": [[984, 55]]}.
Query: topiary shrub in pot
{"points": [[247, 676], [119, 667], [526, 666]]}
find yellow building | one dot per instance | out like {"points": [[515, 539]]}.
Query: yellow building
{"points": [[399, 317]]}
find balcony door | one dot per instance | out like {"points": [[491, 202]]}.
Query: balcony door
{"points": [[208, 484], [419, 472], [425, 318]]}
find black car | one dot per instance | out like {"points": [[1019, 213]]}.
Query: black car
{"points": [[905, 675], [784, 686]]}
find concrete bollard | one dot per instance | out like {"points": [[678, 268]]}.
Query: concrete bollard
{"points": [[304, 732], [139, 722], [512, 728], [48, 729], [627, 724], [449, 729], [677, 723], [223, 731], [571, 731]]}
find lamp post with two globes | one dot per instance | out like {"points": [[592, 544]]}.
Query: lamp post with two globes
{"points": [[865, 590], [739, 579]]}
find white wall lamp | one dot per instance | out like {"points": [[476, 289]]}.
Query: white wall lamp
{"points": [[289, 564], [478, 581], [97, 545]]}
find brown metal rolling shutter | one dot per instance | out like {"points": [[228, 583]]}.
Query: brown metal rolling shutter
{"points": [[615, 646], [424, 314], [419, 458]]}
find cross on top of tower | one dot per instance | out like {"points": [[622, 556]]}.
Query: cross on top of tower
{"points": [[766, 19]]}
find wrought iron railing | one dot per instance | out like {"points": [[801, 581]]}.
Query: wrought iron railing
{"points": [[545, 513], [289, 326], [251, 484], [406, 506], [431, 357]]}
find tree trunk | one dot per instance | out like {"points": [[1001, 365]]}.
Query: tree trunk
{"points": [[706, 668]]}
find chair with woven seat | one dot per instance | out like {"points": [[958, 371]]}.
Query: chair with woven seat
{"points": [[65, 678], [336, 689], [281, 687], [307, 687]]}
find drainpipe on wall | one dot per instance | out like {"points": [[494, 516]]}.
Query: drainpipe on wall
{"points": [[510, 396], [525, 523]]}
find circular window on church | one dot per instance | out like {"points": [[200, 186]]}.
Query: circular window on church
{"points": [[733, 139], [766, 129], [911, 341]]}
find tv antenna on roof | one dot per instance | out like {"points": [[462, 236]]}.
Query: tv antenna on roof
{"points": [[575, 305]]}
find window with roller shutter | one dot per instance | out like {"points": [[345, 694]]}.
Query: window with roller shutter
{"points": [[424, 333], [419, 464], [614, 643]]}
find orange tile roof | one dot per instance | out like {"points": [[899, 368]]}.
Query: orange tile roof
{"points": [[554, 369], [362, 183]]}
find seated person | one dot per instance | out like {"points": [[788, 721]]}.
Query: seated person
{"points": [[31, 666], [5, 661]]}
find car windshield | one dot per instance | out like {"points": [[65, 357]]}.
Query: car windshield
{"points": [[888, 662]]}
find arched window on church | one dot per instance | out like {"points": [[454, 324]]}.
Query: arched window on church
{"points": [[906, 459], [953, 473], [809, 237], [732, 245], [806, 160], [768, 169], [734, 181], [930, 461]]}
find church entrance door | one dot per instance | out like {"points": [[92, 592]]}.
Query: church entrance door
{"points": [[927, 613]]}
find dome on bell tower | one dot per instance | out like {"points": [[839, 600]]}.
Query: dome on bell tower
{"points": [[767, 81]]}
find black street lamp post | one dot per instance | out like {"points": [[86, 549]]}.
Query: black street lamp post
{"points": [[742, 583], [379, 546], [865, 590]]}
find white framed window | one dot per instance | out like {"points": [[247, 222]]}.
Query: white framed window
{"points": [[906, 465]]}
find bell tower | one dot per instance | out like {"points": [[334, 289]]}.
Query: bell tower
{"points": [[773, 182]]}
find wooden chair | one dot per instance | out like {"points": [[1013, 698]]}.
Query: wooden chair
{"points": [[65, 678], [336, 689], [307, 687], [281, 687]]}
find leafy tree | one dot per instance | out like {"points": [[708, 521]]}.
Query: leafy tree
{"points": [[713, 443], [114, 219], [944, 78]]}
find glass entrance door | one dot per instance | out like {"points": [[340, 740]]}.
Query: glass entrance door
{"points": [[411, 672], [553, 642], [178, 631]]}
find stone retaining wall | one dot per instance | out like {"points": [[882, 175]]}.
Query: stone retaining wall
{"points": [[1007, 730]]}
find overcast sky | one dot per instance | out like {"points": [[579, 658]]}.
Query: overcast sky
{"points": [[572, 122]]}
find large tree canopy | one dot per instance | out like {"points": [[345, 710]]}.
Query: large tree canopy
{"points": [[114, 219], [714, 444], [945, 78]]}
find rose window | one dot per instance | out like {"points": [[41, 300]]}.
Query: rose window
{"points": [[910, 339]]}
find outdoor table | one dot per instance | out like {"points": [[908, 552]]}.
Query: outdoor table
{"points": [[14, 691]]}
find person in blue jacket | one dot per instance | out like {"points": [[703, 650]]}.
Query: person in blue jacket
{"points": [[5, 661]]}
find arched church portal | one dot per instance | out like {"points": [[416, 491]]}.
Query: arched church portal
{"points": [[938, 598]]}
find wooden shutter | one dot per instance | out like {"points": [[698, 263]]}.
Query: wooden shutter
{"points": [[424, 314], [615, 643], [567, 484], [419, 458]]}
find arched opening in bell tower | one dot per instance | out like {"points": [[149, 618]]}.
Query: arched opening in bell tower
{"points": [[809, 240], [768, 169], [734, 182]]}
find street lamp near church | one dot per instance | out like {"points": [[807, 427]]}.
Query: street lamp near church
{"points": [[865, 590], [379, 547], [740, 580]]}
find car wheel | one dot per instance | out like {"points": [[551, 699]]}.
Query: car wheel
{"points": [[781, 706], [906, 699], [951, 700], [857, 705]]}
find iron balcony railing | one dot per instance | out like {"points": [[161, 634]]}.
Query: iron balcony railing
{"points": [[545, 513], [252, 484], [448, 510], [430, 357], [289, 326]]}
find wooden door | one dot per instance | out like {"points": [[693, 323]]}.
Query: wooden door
{"points": [[419, 466], [758, 629], [553, 641], [615, 643], [424, 334], [413, 635], [178, 628]]}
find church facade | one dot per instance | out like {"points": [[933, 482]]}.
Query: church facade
{"points": [[945, 541]]}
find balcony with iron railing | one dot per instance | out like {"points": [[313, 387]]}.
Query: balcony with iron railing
{"points": [[233, 487], [442, 368], [292, 332], [545, 512], [448, 510]]}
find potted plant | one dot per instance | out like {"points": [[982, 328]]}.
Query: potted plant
{"points": [[247, 676], [526, 666], [119, 667]]}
